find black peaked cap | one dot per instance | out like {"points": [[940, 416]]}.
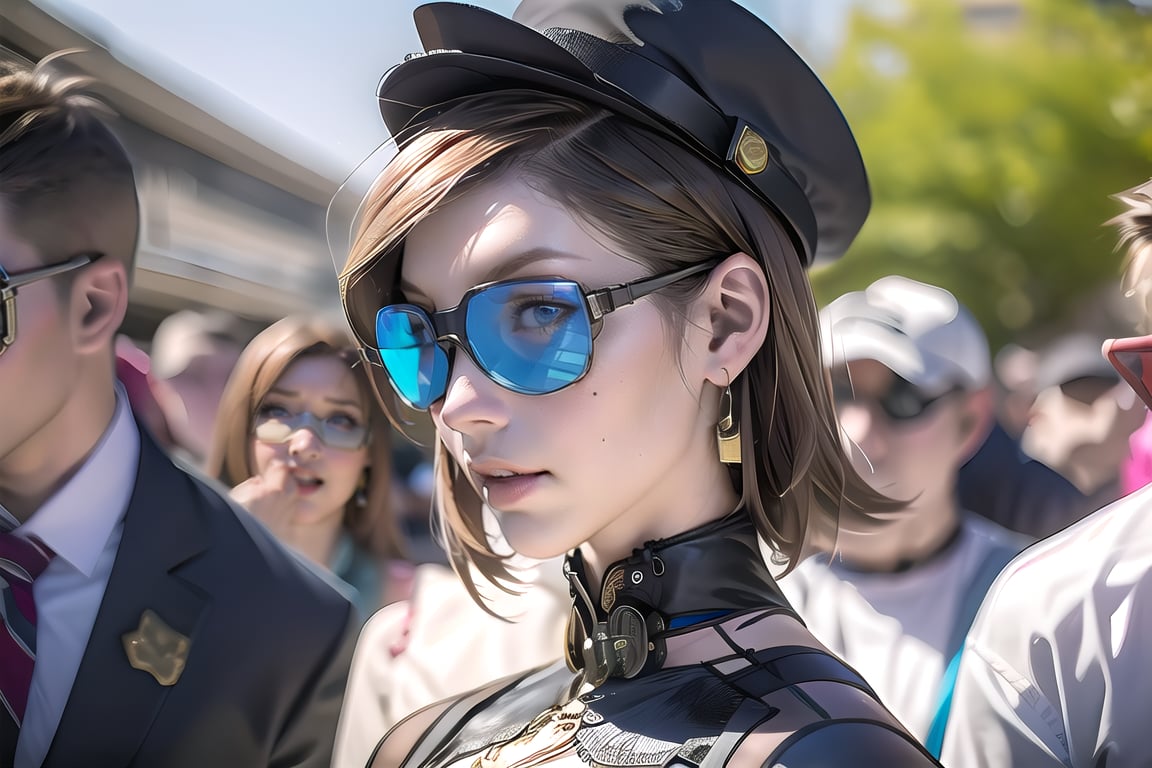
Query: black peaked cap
{"points": [[707, 73]]}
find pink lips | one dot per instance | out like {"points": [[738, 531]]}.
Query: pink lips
{"points": [[503, 490]]}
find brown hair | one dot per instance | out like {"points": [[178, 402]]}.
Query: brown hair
{"points": [[666, 208], [1135, 229], [260, 366], [63, 174]]}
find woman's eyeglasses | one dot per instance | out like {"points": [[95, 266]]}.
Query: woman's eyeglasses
{"points": [[901, 402], [533, 337], [275, 424], [11, 283]]}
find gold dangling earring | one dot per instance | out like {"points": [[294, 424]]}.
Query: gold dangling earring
{"points": [[728, 428]]}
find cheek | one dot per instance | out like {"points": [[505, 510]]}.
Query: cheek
{"points": [[346, 466], [264, 454]]}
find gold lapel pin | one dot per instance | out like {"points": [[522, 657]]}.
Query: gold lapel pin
{"points": [[156, 648]]}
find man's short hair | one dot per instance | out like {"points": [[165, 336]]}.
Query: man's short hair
{"points": [[1135, 228], [66, 183]]}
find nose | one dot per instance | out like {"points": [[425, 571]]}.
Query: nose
{"points": [[863, 428], [472, 402], [304, 444]]}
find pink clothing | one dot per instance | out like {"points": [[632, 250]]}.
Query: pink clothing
{"points": [[1136, 472]]}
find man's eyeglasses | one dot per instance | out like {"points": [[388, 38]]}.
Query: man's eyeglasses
{"points": [[1132, 359], [533, 337], [276, 424], [11, 283], [901, 402]]}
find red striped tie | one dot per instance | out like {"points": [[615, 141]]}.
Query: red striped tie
{"points": [[21, 561]]}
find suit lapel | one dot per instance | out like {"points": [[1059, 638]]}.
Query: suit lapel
{"points": [[112, 705]]}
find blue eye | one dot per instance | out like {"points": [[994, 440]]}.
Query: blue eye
{"points": [[539, 316]]}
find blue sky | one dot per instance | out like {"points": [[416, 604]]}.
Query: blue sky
{"points": [[310, 67]]}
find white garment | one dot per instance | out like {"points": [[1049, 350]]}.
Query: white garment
{"points": [[893, 628], [82, 524], [449, 646], [1058, 666]]}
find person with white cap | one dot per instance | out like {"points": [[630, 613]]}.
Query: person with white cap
{"points": [[910, 370]]}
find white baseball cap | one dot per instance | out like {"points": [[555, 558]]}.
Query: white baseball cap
{"points": [[919, 331]]}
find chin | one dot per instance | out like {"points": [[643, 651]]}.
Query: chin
{"points": [[533, 537]]}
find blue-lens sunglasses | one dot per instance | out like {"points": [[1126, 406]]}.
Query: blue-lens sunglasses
{"points": [[533, 336]]}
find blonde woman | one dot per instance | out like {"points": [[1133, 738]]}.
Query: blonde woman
{"points": [[304, 447], [585, 267]]}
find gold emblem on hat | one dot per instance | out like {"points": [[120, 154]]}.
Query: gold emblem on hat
{"points": [[156, 648], [751, 152]]}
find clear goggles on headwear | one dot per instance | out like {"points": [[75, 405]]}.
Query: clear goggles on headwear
{"points": [[276, 424], [532, 337]]}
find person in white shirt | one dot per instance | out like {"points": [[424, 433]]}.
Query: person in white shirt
{"points": [[910, 370], [1057, 668], [146, 621]]}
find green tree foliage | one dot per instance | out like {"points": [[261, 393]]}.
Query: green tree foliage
{"points": [[992, 151]]}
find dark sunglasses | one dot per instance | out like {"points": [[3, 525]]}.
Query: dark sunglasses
{"points": [[901, 402], [1132, 359], [11, 283], [532, 337]]}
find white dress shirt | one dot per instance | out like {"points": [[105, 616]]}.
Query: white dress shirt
{"points": [[82, 524]]}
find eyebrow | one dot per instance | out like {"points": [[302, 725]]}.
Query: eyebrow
{"points": [[505, 269], [333, 400]]}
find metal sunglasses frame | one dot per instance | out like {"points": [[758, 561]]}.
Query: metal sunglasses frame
{"points": [[11, 283]]}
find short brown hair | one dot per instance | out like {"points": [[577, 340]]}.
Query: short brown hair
{"points": [[1135, 229], [665, 208], [260, 366], [66, 183]]}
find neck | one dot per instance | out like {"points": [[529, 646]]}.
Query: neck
{"points": [[913, 536], [39, 466], [697, 504], [665, 588]]}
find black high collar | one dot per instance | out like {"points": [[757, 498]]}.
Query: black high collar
{"points": [[664, 588]]}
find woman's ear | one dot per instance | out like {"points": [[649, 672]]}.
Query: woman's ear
{"points": [[99, 301], [735, 312]]}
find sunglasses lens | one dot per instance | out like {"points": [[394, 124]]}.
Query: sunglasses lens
{"points": [[417, 366], [1133, 365], [902, 403], [533, 338]]}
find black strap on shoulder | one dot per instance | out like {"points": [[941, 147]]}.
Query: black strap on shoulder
{"points": [[855, 741]]}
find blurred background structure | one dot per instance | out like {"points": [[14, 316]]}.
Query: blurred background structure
{"points": [[228, 222]]}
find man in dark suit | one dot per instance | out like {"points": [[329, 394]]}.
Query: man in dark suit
{"points": [[146, 621]]}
